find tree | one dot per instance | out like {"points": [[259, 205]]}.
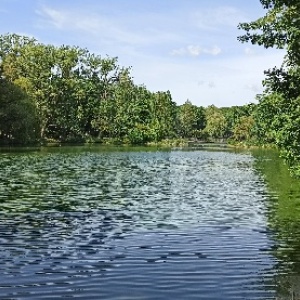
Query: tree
{"points": [[28, 65], [163, 116], [18, 118], [234, 114], [278, 112], [279, 28], [216, 124], [191, 120], [243, 130], [67, 95], [18, 122]]}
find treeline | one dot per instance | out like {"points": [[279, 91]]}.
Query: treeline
{"points": [[67, 94]]}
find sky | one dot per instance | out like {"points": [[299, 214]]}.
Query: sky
{"points": [[188, 47]]}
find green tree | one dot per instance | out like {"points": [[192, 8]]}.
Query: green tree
{"points": [[244, 129], [191, 120], [163, 116], [18, 116], [18, 122], [216, 124], [233, 117], [27, 64], [278, 112], [107, 73], [67, 95], [279, 28]]}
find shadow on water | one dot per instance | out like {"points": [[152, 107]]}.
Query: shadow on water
{"points": [[283, 216]]}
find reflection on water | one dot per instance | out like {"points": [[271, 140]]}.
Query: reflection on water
{"points": [[284, 221], [141, 225]]}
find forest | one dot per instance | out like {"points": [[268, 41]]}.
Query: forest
{"points": [[67, 94]]}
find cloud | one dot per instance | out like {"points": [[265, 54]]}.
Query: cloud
{"points": [[249, 51], [195, 50], [52, 17], [256, 88], [75, 21], [110, 29], [211, 85], [223, 82], [213, 18], [143, 39], [203, 83]]}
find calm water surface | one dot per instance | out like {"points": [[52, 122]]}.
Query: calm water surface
{"points": [[95, 224]]}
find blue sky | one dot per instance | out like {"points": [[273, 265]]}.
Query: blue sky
{"points": [[189, 47]]}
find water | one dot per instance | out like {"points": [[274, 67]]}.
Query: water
{"points": [[92, 223]]}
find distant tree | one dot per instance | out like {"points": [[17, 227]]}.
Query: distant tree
{"points": [[244, 129], [216, 124]]}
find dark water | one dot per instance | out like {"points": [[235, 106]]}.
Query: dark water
{"points": [[94, 224]]}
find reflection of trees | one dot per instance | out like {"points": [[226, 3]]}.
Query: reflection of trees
{"points": [[283, 203]]}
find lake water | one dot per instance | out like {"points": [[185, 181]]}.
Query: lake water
{"points": [[98, 223]]}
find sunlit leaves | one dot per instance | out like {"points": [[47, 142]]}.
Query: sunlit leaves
{"points": [[216, 123], [278, 113]]}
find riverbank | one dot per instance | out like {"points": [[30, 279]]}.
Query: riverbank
{"points": [[166, 143]]}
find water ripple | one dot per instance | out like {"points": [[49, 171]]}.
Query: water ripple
{"points": [[133, 225]]}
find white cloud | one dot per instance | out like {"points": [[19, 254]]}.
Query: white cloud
{"points": [[213, 51], [223, 82], [110, 29], [211, 84], [249, 51], [53, 17], [212, 19], [256, 88], [76, 21], [232, 78], [195, 50]]}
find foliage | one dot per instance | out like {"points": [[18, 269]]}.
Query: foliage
{"points": [[216, 123], [243, 129], [279, 28], [67, 94], [191, 120], [79, 96], [278, 113], [18, 123]]}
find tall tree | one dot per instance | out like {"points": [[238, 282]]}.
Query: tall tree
{"points": [[279, 107], [163, 116], [216, 124], [18, 122], [191, 120]]}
